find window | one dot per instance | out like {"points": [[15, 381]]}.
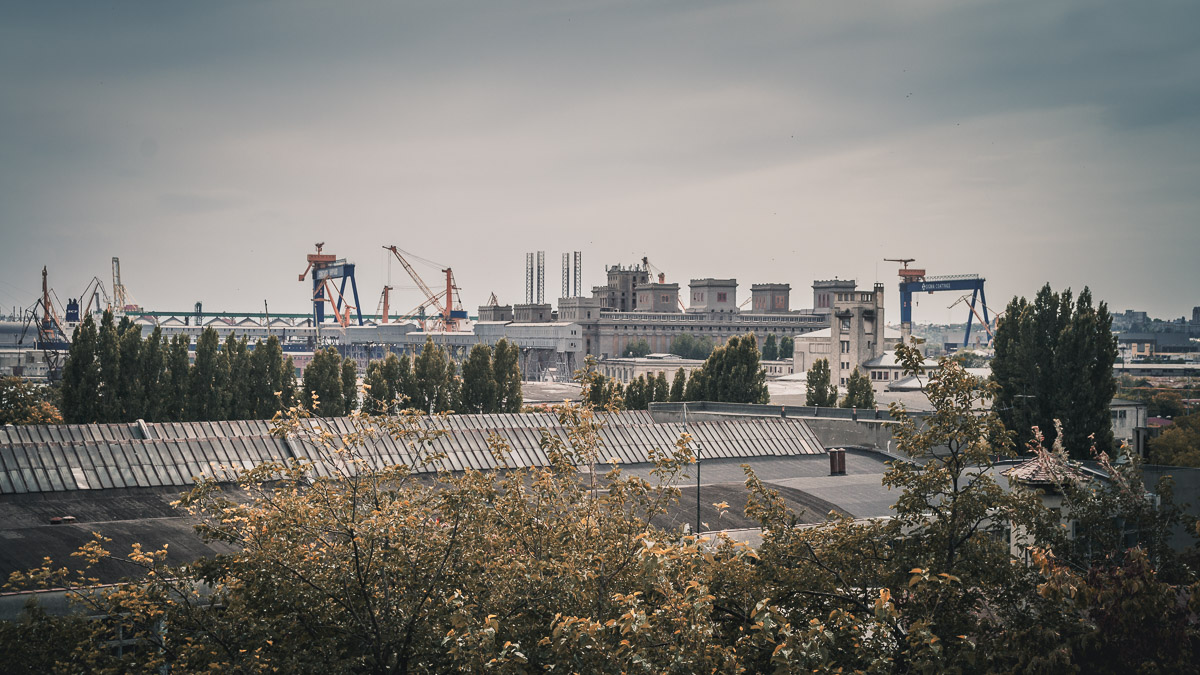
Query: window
{"points": [[845, 325], [665, 298], [721, 297], [845, 346], [845, 366]]}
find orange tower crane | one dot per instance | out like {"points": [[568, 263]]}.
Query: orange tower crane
{"points": [[447, 303]]}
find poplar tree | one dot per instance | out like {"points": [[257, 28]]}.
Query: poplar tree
{"points": [[479, 381], [349, 385], [859, 393], [787, 347], [108, 353], [1054, 360], [323, 377], [397, 371], [635, 393], [662, 390], [770, 350], [507, 369], [130, 393], [375, 398], [733, 373], [237, 379], [153, 376], [205, 397], [678, 386], [81, 375], [288, 396], [178, 381], [821, 392], [433, 375], [266, 375]]}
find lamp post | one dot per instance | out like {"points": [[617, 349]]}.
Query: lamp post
{"points": [[685, 430]]}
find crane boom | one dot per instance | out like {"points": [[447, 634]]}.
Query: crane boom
{"points": [[429, 295]]}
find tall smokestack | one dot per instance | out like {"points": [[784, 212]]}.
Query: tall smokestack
{"points": [[529, 278], [566, 276], [579, 263], [541, 277]]}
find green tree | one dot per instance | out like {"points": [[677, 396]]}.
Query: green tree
{"points": [[266, 381], [787, 346], [770, 350], [689, 346], [821, 392], [859, 393], [324, 394], [733, 373], [206, 394], [349, 385], [1165, 404], [1054, 360], [153, 382], [1178, 444], [662, 390], [479, 381], [108, 354], [434, 379], [130, 385], [399, 375], [237, 380], [637, 349], [288, 395], [636, 395], [505, 364], [375, 399], [177, 407], [81, 376], [697, 387], [678, 385], [23, 402]]}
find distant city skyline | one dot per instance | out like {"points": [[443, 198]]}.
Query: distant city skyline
{"points": [[209, 145]]}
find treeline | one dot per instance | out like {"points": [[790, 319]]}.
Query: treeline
{"points": [[112, 374], [689, 346], [732, 373], [490, 382]]}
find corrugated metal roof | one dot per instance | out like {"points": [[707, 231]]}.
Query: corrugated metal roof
{"points": [[104, 456]]}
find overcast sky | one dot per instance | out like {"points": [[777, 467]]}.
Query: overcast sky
{"points": [[209, 145]]}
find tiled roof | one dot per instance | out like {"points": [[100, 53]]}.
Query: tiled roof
{"points": [[1041, 470]]}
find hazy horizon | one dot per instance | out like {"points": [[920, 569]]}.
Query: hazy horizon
{"points": [[209, 145]]}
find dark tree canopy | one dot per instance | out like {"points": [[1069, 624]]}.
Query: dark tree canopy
{"points": [[859, 393], [637, 349], [733, 373], [821, 392], [1054, 361], [689, 346], [770, 350], [787, 345]]}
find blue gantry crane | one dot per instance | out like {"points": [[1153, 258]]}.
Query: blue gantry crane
{"points": [[325, 268], [913, 280]]}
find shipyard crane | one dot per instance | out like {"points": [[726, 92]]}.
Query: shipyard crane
{"points": [[325, 268], [914, 280], [986, 327], [94, 292], [383, 305], [447, 303]]}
